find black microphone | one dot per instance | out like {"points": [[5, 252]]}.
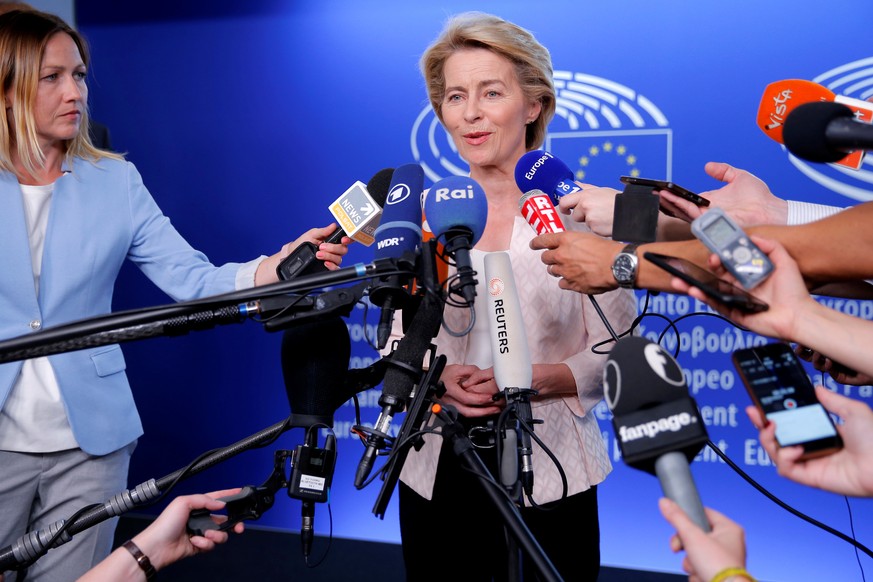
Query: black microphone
{"points": [[657, 424], [357, 212], [403, 371], [315, 361], [399, 233], [825, 132], [456, 211]]}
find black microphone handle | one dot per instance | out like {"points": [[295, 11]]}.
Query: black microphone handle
{"points": [[846, 133], [674, 473], [386, 320]]}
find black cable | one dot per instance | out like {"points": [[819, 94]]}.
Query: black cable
{"points": [[854, 537], [784, 505]]}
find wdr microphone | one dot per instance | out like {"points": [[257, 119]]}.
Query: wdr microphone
{"points": [[456, 211], [656, 422], [540, 170], [825, 132], [357, 213], [398, 234], [537, 208], [513, 370]]}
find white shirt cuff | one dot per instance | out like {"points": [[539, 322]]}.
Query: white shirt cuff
{"points": [[245, 275], [805, 212]]}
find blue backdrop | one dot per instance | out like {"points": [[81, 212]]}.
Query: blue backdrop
{"points": [[248, 119]]}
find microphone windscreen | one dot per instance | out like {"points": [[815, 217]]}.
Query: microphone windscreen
{"points": [[540, 170], [640, 374], [509, 349], [456, 202], [315, 363], [806, 128], [379, 185], [400, 229]]}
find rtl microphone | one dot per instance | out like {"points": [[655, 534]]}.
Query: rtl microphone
{"points": [[315, 361], [357, 212], [540, 170], [826, 132], [657, 424], [513, 370], [399, 233], [537, 208], [456, 211]]}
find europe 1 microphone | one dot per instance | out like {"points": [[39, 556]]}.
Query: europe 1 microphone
{"points": [[315, 361], [456, 211], [540, 170], [656, 422], [398, 234], [513, 371], [357, 212]]}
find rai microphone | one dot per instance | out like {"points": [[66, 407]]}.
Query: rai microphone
{"points": [[825, 132], [456, 211], [513, 370], [537, 208], [656, 422], [398, 234], [357, 212], [540, 170], [315, 361]]}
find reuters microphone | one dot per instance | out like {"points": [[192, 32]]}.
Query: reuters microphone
{"points": [[357, 212], [656, 422], [540, 170], [513, 371], [537, 208]]}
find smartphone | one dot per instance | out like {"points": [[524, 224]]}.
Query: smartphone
{"points": [[782, 391], [739, 255], [725, 293], [669, 186]]}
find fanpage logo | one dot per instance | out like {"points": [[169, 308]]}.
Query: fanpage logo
{"points": [[601, 129]]}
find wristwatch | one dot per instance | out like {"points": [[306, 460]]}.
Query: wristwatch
{"points": [[624, 266]]}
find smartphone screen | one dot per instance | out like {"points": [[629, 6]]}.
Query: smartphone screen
{"points": [[781, 389], [725, 293]]}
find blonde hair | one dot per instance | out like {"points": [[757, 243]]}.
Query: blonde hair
{"points": [[532, 62], [24, 35]]}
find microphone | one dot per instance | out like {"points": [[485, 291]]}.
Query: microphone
{"points": [[540, 170], [456, 211], [657, 423], [397, 235], [357, 212], [781, 98], [825, 132], [537, 208], [315, 361], [513, 370]]}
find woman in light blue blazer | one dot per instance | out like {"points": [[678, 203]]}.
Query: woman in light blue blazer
{"points": [[70, 215]]}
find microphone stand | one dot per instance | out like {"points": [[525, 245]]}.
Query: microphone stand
{"points": [[249, 504]]}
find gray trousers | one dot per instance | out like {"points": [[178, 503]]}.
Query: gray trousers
{"points": [[36, 490]]}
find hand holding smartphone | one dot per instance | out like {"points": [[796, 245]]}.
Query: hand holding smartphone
{"points": [[783, 393], [668, 186]]}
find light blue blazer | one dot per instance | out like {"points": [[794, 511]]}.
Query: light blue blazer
{"points": [[101, 214]]}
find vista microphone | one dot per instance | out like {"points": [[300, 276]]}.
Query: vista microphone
{"points": [[540, 170], [537, 208], [657, 424], [357, 212], [315, 361], [825, 132], [399, 233], [456, 211], [513, 370], [781, 98]]}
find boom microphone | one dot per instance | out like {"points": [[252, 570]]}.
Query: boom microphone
{"points": [[457, 210], [357, 212], [315, 361], [540, 170], [825, 132], [657, 424], [398, 234], [513, 370]]}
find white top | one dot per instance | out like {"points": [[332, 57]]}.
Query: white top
{"points": [[805, 212]]}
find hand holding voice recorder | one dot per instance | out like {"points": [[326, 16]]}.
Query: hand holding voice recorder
{"points": [[739, 255]]}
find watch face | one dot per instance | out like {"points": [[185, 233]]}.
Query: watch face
{"points": [[624, 267]]}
